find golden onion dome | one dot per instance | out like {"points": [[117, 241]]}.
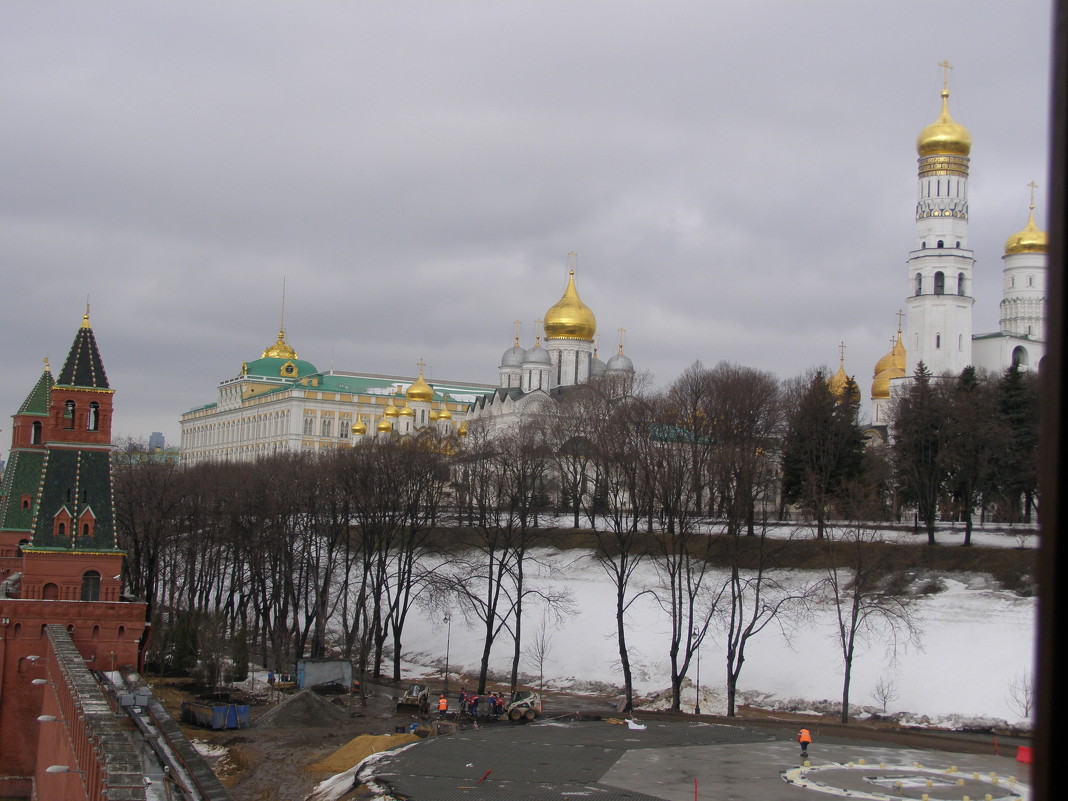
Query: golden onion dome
{"points": [[944, 135], [420, 390], [359, 428], [880, 387], [390, 410], [884, 363], [895, 358], [406, 411], [569, 317], [384, 426], [433, 417], [462, 430], [838, 384], [1030, 240], [445, 414]]}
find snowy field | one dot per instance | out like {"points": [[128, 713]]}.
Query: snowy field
{"points": [[977, 641]]}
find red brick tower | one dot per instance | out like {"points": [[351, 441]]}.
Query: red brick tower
{"points": [[59, 557]]}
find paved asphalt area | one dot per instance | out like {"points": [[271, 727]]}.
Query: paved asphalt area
{"points": [[679, 762]]}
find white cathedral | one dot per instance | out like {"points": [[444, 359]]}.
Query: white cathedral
{"points": [[531, 377], [938, 329]]}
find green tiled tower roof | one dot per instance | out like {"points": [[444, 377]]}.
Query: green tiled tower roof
{"points": [[37, 401], [84, 367]]}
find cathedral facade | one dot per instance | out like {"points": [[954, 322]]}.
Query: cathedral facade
{"points": [[531, 377], [938, 329]]}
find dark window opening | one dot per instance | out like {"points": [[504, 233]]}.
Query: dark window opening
{"points": [[940, 283], [941, 244], [35, 433], [68, 414], [92, 422], [960, 283], [90, 586]]}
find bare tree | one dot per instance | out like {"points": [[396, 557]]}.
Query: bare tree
{"points": [[869, 597]]}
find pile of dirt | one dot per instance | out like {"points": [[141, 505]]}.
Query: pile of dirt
{"points": [[358, 749], [303, 709]]}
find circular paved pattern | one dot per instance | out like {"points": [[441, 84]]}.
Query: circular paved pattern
{"points": [[678, 762]]}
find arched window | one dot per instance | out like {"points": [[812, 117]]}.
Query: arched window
{"points": [[50, 592], [1019, 356], [940, 283], [919, 284], [68, 414], [92, 421], [35, 433], [960, 283], [941, 244], [90, 586], [61, 529], [938, 341]]}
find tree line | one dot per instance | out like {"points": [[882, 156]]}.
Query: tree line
{"points": [[308, 555]]}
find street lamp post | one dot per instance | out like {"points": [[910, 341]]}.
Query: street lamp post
{"points": [[697, 703], [448, 641]]}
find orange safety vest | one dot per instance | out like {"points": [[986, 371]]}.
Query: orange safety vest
{"points": [[443, 704], [804, 737]]}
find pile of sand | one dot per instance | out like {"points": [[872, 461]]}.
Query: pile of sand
{"points": [[358, 749]]}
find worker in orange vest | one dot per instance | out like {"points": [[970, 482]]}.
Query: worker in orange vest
{"points": [[804, 737], [443, 706]]}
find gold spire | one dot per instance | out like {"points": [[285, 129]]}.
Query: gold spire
{"points": [[944, 136], [1031, 239], [85, 317], [570, 318]]}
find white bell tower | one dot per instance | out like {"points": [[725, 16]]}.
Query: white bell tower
{"points": [[939, 289]]}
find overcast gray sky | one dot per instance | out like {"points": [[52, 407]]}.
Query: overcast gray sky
{"points": [[737, 178]]}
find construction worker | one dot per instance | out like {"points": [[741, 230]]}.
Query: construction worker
{"points": [[443, 705], [804, 737]]}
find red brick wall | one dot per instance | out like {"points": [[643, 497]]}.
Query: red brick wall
{"points": [[105, 633]]}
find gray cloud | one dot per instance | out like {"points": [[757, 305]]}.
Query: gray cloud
{"points": [[736, 177]]}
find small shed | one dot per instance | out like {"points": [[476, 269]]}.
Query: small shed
{"points": [[324, 674]]}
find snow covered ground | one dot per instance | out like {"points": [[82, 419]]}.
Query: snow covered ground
{"points": [[977, 642]]}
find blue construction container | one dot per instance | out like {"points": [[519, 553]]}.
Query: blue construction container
{"points": [[215, 716]]}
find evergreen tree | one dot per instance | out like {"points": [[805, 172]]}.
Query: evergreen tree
{"points": [[919, 423], [1017, 467], [972, 439], [823, 451]]}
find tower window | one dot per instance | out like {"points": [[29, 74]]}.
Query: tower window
{"points": [[960, 283], [90, 586], [940, 283], [941, 244], [938, 341], [919, 284], [35, 433], [92, 422], [68, 414]]}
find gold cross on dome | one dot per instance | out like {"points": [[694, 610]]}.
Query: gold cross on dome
{"points": [[1033, 186], [946, 67], [516, 323], [421, 364], [841, 352]]}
